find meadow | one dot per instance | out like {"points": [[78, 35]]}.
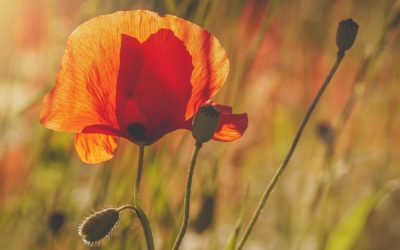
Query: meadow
{"points": [[341, 188]]}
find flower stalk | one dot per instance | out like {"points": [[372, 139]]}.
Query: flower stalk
{"points": [[345, 37], [136, 201], [146, 227], [136, 194], [185, 220], [144, 221]]}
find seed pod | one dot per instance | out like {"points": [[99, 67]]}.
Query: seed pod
{"points": [[346, 35], [99, 225], [205, 123]]}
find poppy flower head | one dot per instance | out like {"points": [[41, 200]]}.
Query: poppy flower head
{"points": [[136, 75]]}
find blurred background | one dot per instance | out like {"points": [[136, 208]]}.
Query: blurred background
{"points": [[340, 191]]}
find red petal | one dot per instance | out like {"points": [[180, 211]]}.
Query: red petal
{"points": [[222, 108], [211, 67], [95, 148], [154, 86], [231, 127]]}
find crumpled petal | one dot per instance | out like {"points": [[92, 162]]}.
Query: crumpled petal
{"points": [[231, 126], [95, 148]]}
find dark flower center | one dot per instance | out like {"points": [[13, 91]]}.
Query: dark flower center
{"points": [[137, 131]]}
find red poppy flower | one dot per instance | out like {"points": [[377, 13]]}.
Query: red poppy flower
{"points": [[136, 75]]}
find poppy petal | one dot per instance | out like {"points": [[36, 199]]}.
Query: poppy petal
{"points": [[231, 127], [85, 86], [157, 95], [211, 67], [102, 129], [95, 148]]}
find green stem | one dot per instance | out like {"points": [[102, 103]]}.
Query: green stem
{"points": [[139, 212], [146, 227], [185, 220], [145, 224], [285, 162], [138, 175]]}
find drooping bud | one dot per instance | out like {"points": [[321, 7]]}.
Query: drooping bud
{"points": [[205, 123], [346, 35], [98, 225]]}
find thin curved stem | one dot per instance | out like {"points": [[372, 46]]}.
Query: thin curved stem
{"points": [[144, 221], [126, 207], [188, 190], [146, 227], [138, 175], [285, 162]]}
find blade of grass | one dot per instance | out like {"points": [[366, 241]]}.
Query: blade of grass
{"points": [[234, 237], [352, 224]]}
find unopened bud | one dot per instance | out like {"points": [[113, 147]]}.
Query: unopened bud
{"points": [[99, 225], [205, 123], [346, 35]]}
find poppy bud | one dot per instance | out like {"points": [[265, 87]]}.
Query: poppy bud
{"points": [[98, 225], [346, 35], [205, 123]]}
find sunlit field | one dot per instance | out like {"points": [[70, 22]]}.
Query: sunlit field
{"points": [[339, 191]]}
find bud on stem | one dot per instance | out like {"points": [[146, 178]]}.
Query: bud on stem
{"points": [[346, 35], [205, 123], [98, 225]]}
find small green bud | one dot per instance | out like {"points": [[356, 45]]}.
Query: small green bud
{"points": [[98, 225], [346, 35], [205, 123]]}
